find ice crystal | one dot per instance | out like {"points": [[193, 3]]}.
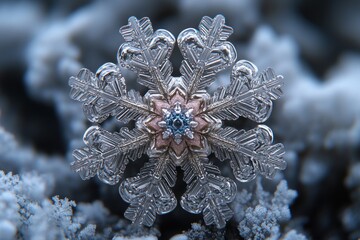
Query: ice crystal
{"points": [[177, 122]]}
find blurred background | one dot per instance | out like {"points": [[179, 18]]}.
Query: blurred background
{"points": [[315, 45]]}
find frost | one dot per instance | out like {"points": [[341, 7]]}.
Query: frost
{"points": [[261, 214], [136, 238], [198, 231], [25, 210], [95, 213], [9, 217], [313, 171], [59, 224], [18, 33], [126, 230], [87, 233], [7, 230], [177, 122], [293, 235], [21, 158], [7, 141]]}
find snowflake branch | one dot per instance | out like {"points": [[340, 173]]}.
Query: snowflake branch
{"points": [[248, 95], [105, 94], [207, 191], [149, 192], [107, 154], [147, 53], [249, 152], [205, 52]]}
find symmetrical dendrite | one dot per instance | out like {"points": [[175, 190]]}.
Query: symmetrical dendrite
{"points": [[177, 122]]}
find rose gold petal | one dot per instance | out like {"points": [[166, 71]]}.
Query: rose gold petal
{"points": [[158, 105], [195, 142], [202, 124], [194, 104], [177, 98], [178, 148], [153, 124], [160, 142]]}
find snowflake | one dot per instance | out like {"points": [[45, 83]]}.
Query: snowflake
{"points": [[177, 122]]}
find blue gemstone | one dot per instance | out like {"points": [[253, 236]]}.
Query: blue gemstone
{"points": [[177, 122]]}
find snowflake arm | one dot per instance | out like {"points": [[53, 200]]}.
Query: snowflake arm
{"points": [[250, 152], [107, 154], [104, 94], [207, 192], [205, 52], [249, 94], [147, 53], [149, 192]]}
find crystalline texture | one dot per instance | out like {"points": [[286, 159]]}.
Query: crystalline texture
{"points": [[177, 122]]}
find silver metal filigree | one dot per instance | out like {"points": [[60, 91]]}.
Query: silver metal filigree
{"points": [[177, 122]]}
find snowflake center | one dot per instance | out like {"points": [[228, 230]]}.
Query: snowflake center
{"points": [[177, 122]]}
